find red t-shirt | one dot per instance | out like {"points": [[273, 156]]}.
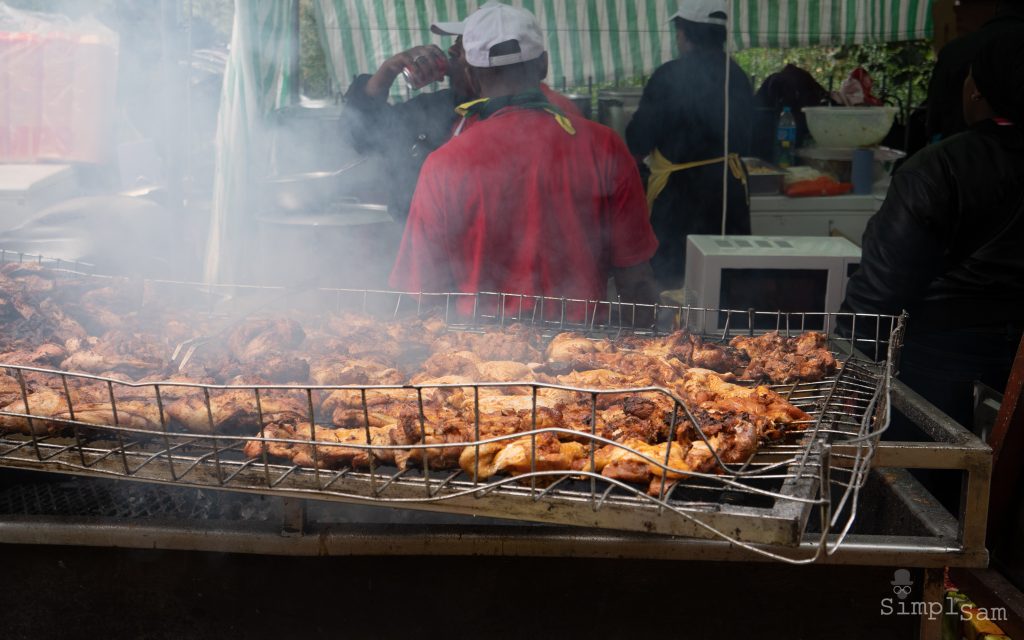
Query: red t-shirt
{"points": [[516, 204]]}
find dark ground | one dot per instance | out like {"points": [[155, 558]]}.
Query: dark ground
{"points": [[73, 592]]}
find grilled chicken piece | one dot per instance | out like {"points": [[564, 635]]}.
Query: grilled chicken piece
{"points": [[134, 354], [785, 360], [45, 403], [566, 347], [334, 447], [343, 371], [99, 363], [331, 452], [466, 365], [688, 350], [599, 379], [383, 406], [284, 368], [257, 337], [707, 390], [131, 414], [47, 355], [659, 369], [10, 390], [442, 363], [439, 429], [619, 425], [422, 330], [29, 276], [514, 457], [442, 426], [492, 401], [734, 440], [515, 343], [361, 336], [642, 465], [234, 411]]}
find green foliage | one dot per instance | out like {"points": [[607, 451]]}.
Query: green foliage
{"points": [[316, 82], [316, 79], [893, 67]]}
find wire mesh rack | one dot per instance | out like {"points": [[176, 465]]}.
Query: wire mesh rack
{"points": [[763, 503]]}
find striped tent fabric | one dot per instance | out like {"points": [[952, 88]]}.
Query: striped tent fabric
{"points": [[607, 40], [258, 79], [800, 23]]}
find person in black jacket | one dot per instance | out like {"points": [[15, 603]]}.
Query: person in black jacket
{"points": [[947, 244], [680, 122], [945, 116], [406, 132]]}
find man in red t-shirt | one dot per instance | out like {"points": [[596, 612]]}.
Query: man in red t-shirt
{"points": [[527, 200]]}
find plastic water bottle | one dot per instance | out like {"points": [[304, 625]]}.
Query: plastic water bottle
{"points": [[785, 139]]}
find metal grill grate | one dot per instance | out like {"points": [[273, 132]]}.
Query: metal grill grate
{"points": [[765, 501]]}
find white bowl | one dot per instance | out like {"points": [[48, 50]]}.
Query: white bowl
{"points": [[849, 126]]}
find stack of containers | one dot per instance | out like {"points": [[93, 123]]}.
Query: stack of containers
{"points": [[58, 83]]}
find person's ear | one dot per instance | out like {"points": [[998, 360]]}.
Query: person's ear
{"points": [[542, 65]]}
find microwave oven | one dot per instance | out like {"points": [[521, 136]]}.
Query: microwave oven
{"points": [[792, 274]]}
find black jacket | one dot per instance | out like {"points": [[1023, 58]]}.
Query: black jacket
{"points": [[681, 114], [947, 244], [402, 133]]}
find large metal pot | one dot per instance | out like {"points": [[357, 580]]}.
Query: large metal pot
{"points": [[615, 107], [349, 244], [313, 191], [583, 103]]}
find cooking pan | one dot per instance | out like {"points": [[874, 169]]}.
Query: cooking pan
{"points": [[307, 191]]}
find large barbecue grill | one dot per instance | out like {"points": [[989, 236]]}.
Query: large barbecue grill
{"points": [[795, 500]]}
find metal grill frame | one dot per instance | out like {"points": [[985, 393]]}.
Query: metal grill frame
{"points": [[807, 464]]}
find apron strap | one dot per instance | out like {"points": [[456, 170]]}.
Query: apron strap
{"points": [[662, 168]]}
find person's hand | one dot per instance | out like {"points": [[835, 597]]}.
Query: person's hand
{"points": [[424, 64]]}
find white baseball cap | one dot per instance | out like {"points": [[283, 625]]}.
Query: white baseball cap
{"points": [[702, 11], [495, 23], [454, 28], [448, 28]]}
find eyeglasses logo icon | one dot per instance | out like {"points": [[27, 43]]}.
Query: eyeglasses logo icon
{"points": [[901, 583]]}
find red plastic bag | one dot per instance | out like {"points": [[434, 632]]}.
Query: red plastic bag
{"points": [[856, 90]]}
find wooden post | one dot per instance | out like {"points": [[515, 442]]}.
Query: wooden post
{"points": [[1007, 442]]}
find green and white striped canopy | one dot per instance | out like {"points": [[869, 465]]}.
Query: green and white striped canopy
{"points": [[605, 40], [257, 80]]}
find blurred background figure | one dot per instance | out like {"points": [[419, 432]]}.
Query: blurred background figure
{"points": [[946, 244], [680, 124], [945, 116]]}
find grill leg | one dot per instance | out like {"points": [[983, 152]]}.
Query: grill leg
{"points": [[294, 519]]}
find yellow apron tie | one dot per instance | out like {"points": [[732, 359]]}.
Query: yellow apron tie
{"points": [[661, 169]]}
